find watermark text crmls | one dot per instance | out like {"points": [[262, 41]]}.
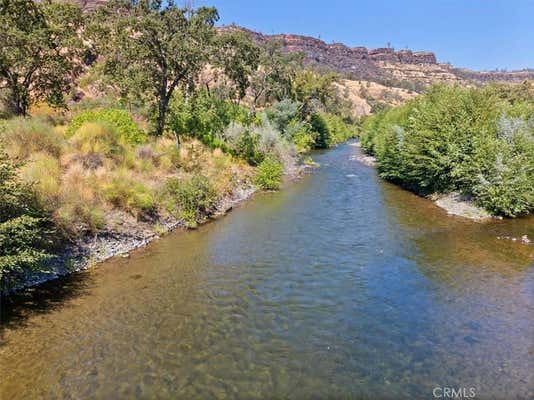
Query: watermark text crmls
{"points": [[454, 393]]}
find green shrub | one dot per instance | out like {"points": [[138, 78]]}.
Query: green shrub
{"points": [[301, 134], [25, 237], [320, 127], [339, 130], [242, 143], [478, 141], [269, 174], [195, 198], [203, 116], [130, 195], [121, 120], [282, 113]]}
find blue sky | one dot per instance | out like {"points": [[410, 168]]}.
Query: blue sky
{"points": [[476, 34]]}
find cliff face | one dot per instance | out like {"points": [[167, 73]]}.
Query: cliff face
{"points": [[381, 64], [386, 65]]}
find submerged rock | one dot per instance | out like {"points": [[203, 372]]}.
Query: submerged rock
{"points": [[523, 239]]}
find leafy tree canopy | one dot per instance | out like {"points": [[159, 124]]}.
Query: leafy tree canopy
{"points": [[40, 51]]}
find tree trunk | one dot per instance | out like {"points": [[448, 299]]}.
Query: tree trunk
{"points": [[162, 112], [19, 101]]}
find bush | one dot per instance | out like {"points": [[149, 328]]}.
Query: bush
{"points": [[476, 141], [94, 141], [195, 198], [25, 136], [44, 172], [301, 134], [284, 112], [130, 195], [80, 209], [339, 130], [25, 237], [269, 174], [320, 127], [121, 120], [203, 116]]}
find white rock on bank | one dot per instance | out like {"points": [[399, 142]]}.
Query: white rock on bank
{"points": [[370, 161], [457, 204]]}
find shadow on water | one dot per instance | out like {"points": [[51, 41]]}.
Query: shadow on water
{"points": [[45, 298]]}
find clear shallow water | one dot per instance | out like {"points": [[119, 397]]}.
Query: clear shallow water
{"points": [[340, 286]]}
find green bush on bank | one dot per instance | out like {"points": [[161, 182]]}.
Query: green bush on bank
{"points": [[203, 116], [121, 120], [269, 174], [479, 141], [196, 198], [25, 238]]}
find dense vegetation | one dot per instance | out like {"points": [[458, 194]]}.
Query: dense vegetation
{"points": [[478, 141], [141, 113]]}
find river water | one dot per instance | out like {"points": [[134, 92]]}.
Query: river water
{"points": [[339, 286]]}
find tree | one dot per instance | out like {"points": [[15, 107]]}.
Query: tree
{"points": [[316, 91], [39, 52], [238, 57], [272, 79], [150, 48]]}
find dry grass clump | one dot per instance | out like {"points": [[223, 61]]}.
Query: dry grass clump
{"points": [[23, 137], [44, 171], [81, 207]]}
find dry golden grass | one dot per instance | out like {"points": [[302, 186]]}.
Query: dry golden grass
{"points": [[93, 179]]}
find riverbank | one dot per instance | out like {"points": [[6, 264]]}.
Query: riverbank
{"points": [[454, 203], [89, 251]]}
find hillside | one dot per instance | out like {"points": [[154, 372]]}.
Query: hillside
{"points": [[400, 68]]}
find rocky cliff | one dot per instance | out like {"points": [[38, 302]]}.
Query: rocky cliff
{"points": [[383, 64], [401, 68]]}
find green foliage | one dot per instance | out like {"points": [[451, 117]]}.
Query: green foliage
{"points": [[31, 64], [315, 91], [269, 174], [121, 120], [24, 235], [151, 48], [256, 142], [320, 126], [339, 130], [130, 195], [272, 81], [282, 113], [196, 198], [301, 134], [203, 116], [477, 141], [238, 56]]}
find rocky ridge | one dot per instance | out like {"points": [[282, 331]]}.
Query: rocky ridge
{"points": [[382, 64]]}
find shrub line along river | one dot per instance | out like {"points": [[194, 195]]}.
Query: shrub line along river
{"points": [[339, 286]]}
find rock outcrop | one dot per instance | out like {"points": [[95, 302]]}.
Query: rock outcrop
{"points": [[382, 64]]}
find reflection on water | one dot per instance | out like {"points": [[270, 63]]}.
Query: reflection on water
{"points": [[340, 286]]}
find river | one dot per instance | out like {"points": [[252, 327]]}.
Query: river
{"points": [[338, 286]]}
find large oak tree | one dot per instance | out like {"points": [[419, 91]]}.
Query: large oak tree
{"points": [[39, 51], [150, 48]]}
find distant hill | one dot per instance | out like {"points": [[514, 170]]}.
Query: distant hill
{"points": [[400, 68]]}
